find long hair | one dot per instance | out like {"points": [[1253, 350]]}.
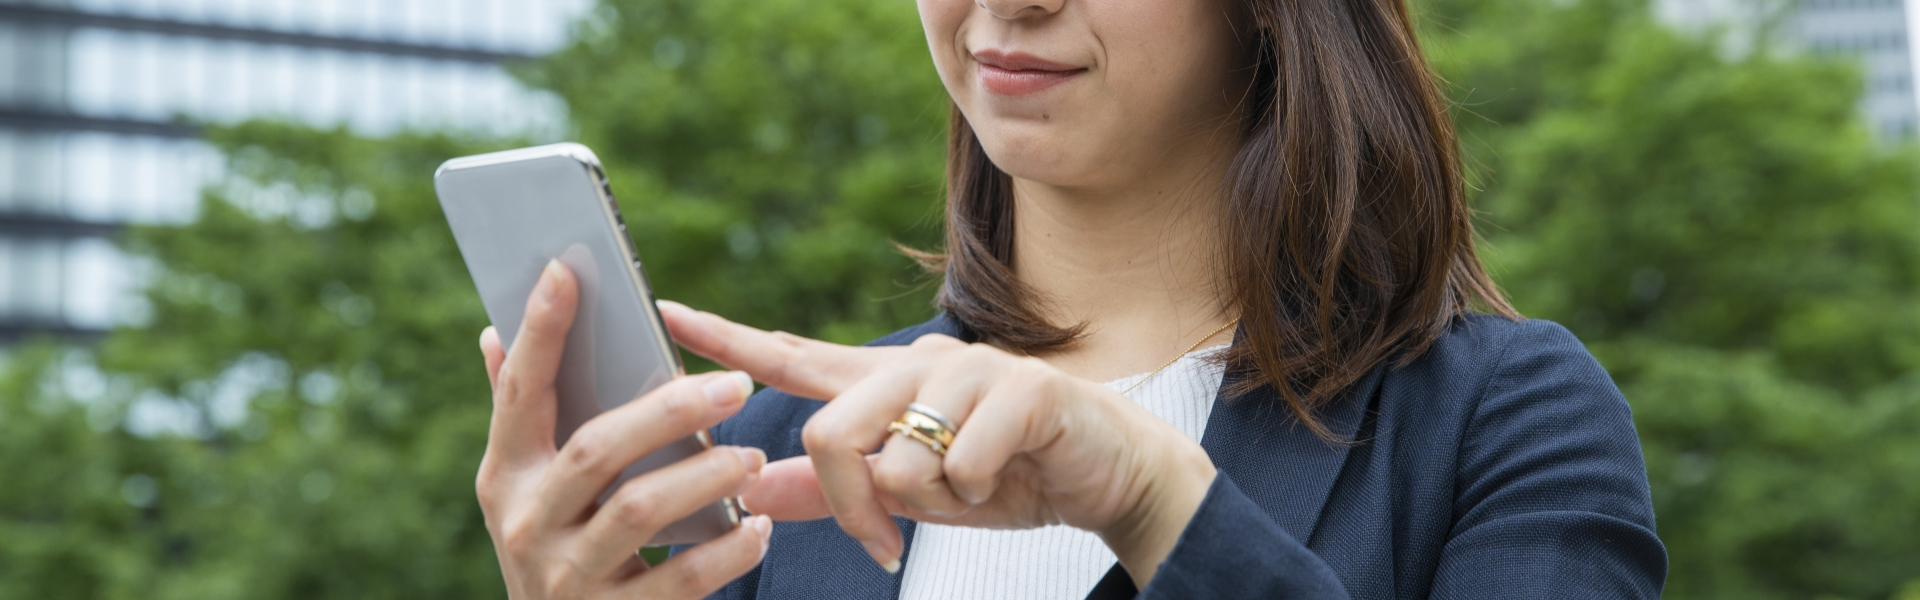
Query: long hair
{"points": [[1347, 240]]}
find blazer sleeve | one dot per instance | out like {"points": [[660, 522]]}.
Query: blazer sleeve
{"points": [[1231, 549], [1551, 501], [1551, 497]]}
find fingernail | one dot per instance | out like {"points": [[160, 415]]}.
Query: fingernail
{"points": [[892, 565], [670, 305], [752, 458], [764, 526], [548, 288], [727, 388]]}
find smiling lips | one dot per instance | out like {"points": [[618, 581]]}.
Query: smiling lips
{"points": [[1016, 73]]}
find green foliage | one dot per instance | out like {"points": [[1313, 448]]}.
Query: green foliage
{"points": [[316, 328], [1722, 232], [1717, 226], [322, 354], [764, 151]]}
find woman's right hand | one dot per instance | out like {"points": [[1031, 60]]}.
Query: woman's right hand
{"points": [[553, 538]]}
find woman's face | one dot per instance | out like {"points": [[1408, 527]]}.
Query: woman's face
{"points": [[1091, 93]]}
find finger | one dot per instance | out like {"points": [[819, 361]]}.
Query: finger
{"points": [[793, 364], [787, 490], [650, 502], [493, 353], [910, 472], [839, 437], [913, 472], [607, 443], [704, 569], [1003, 423], [523, 396]]}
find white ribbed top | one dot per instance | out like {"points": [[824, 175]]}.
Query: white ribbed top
{"points": [[1057, 562]]}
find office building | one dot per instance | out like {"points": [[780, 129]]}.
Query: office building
{"points": [[1875, 31], [96, 97]]}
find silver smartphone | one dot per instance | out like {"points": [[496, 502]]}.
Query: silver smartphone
{"points": [[513, 211]]}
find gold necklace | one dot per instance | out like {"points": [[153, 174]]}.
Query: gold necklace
{"points": [[1183, 354], [1176, 358]]}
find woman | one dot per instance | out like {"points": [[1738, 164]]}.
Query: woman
{"points": [[1246, 217]]}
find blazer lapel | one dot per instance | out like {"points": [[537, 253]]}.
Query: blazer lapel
{"points": [[822, 562], [1276, 460]]}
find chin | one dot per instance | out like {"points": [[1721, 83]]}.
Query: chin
{"points": [[1044, 152]]}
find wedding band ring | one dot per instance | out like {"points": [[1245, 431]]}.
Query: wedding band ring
{"points": [[921, 423]]}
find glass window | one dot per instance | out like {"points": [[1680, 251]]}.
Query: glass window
{"points": [[89, 168], [10, 283], [10, 189], [38, 264], [40, 173], [98, 283]]}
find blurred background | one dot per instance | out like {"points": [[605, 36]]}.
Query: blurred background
{"points": [[237, 345]]}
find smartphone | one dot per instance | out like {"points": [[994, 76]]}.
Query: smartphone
{"points": [[513, 211]]}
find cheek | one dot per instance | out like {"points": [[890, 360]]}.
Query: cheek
{"points": [[1170, 59], [941, 20]]}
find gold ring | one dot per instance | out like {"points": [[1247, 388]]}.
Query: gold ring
{"points": [[923, 424]]}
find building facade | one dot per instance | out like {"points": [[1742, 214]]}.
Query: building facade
{"points": [[1875, 31], [96, 97]]}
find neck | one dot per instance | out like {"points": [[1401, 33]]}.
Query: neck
{"points": [[1138, 264]]}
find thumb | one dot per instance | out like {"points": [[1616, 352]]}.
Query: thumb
{"points": [[787, 490]]}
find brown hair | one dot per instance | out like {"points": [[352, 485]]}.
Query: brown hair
{"points": [[1348, 238]]}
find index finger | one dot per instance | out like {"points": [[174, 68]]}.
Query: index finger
{"points": [[523, 385], [793, 364]]}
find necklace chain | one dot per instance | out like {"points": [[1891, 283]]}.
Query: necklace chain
{"points": [[1183, 354], [1176, 358]]}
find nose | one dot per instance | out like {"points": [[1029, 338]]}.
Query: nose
{"points": [[1020, 9]]}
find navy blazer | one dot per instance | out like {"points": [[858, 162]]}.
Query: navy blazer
{"points": [[1501, 464]]}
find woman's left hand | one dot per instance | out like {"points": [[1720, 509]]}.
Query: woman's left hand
{"points": [[1034, 447]]}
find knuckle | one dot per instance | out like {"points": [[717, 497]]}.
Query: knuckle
{"points": [[635, 508], [980, 353], [1030, 380], [684, 407], [509, 387], [695, 578], [562, 584], [822, 436], [517, 537], [587, 451], [933, 343], [967, 473], [486, 488], [1032, 370], [890, 476], [815, 437]]}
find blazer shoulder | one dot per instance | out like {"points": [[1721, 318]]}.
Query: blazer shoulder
{"points": [[1504, 351], [942, 323], [1479, 355], [1490, 339]]}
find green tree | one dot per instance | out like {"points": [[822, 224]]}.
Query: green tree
{"points": [[313, 334], [1721, 230], [1717, 226]]}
